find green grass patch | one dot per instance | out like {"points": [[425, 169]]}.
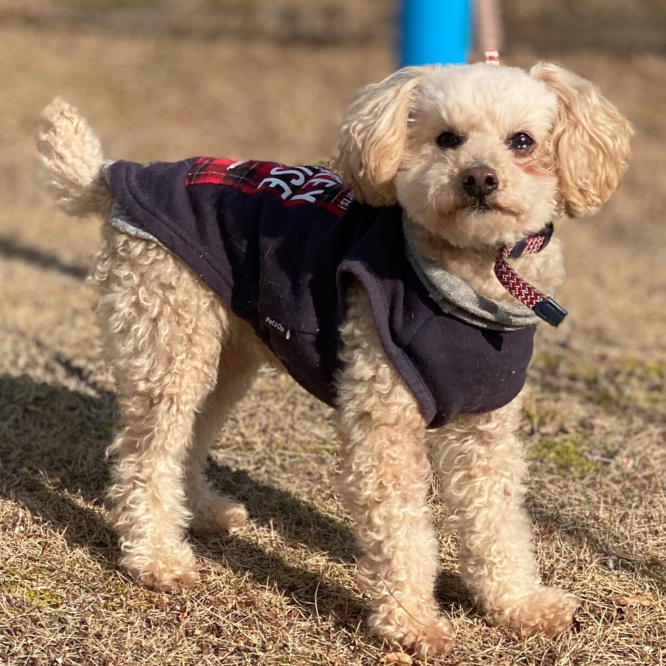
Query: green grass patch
{"points": [[23, 597], [621, 383], [566, 455]]}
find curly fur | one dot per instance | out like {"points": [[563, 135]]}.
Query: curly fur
{"points": [[181, 358], [590, 141], [71, 159]]}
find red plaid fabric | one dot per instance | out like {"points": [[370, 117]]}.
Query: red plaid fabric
{"points": [[292, 185]]}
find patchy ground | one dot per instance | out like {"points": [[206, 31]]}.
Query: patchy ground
{"points": [[282, 591]]}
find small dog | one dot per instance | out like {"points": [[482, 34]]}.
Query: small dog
{"points": [[383, 299]]}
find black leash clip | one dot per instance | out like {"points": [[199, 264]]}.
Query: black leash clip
{"points": [[550, 311]]}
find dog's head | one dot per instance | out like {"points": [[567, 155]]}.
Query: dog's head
{"points": [[480, 155]]}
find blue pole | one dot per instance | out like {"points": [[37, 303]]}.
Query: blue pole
{"points": [[435, 31]]}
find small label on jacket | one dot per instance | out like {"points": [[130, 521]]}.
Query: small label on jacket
{"points": [[276, 326]]}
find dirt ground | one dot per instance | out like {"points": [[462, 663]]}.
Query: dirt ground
{"points": [[271, 86]]}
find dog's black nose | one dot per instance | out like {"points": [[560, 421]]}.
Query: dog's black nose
{"points": [[480, 181]]}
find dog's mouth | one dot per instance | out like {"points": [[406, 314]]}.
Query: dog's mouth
{"points": [[484, 207], [480, 208]]}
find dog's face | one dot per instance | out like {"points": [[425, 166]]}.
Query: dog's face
{"points": [[477, 167], [482, 156]]}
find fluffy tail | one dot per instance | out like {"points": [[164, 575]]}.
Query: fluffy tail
{"points": [[70, 158]]}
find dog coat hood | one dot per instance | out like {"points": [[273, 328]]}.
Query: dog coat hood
{"points": [[279, 244]]}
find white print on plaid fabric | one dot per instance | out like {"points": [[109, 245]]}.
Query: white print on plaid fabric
{"points": [[299, 187], [293, 185]]}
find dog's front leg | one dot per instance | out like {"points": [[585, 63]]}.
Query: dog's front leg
{"points": [[481, 462], [385, 482]]}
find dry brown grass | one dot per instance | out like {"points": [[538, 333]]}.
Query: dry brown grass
{"points": [[282, 591]]}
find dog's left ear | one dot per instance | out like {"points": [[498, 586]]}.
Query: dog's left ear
{"points": [[590, 140], [373, 135]]}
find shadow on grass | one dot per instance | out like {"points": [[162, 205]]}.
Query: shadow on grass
{"points": [[451, 591], [52, 443], [52, 462], [13, 250], [318, 595], [586, 533], [296, 520]]}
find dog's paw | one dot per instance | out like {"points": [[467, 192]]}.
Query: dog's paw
{"points": [[171, 582], [225, 515], [547, 610], [163, 571], [434, 639], [427, 638]]}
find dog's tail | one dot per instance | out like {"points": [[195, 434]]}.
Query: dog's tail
{"points": [[70, 161]]}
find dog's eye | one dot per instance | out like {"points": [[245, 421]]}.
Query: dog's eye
{"points": [[449, 140], [521, 142]]}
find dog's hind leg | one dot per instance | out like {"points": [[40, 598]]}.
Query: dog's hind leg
{"points": [[164, 330], [481, 462], [385, 483], [238, 364]]}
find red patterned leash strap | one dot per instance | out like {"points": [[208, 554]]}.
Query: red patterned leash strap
{"points": [[543, 306]]}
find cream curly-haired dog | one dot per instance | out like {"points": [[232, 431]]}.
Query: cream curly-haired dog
{"points": [[478, 158]]}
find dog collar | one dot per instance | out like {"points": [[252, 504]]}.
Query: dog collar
{"points": [[543, 306]]}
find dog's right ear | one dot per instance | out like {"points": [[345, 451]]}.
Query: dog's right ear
{"points": [[591, 140], [373, 135]]}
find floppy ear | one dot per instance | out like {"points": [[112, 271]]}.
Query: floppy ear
{"points": [[373, 134], [590, 140]]}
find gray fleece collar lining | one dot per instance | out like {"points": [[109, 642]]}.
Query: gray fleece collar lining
{"points": [[456, 297]]}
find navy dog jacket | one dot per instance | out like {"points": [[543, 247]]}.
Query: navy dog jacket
{"points": [[279, 244]]}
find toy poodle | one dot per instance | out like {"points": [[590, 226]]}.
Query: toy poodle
{"points": [[401, 287]]}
